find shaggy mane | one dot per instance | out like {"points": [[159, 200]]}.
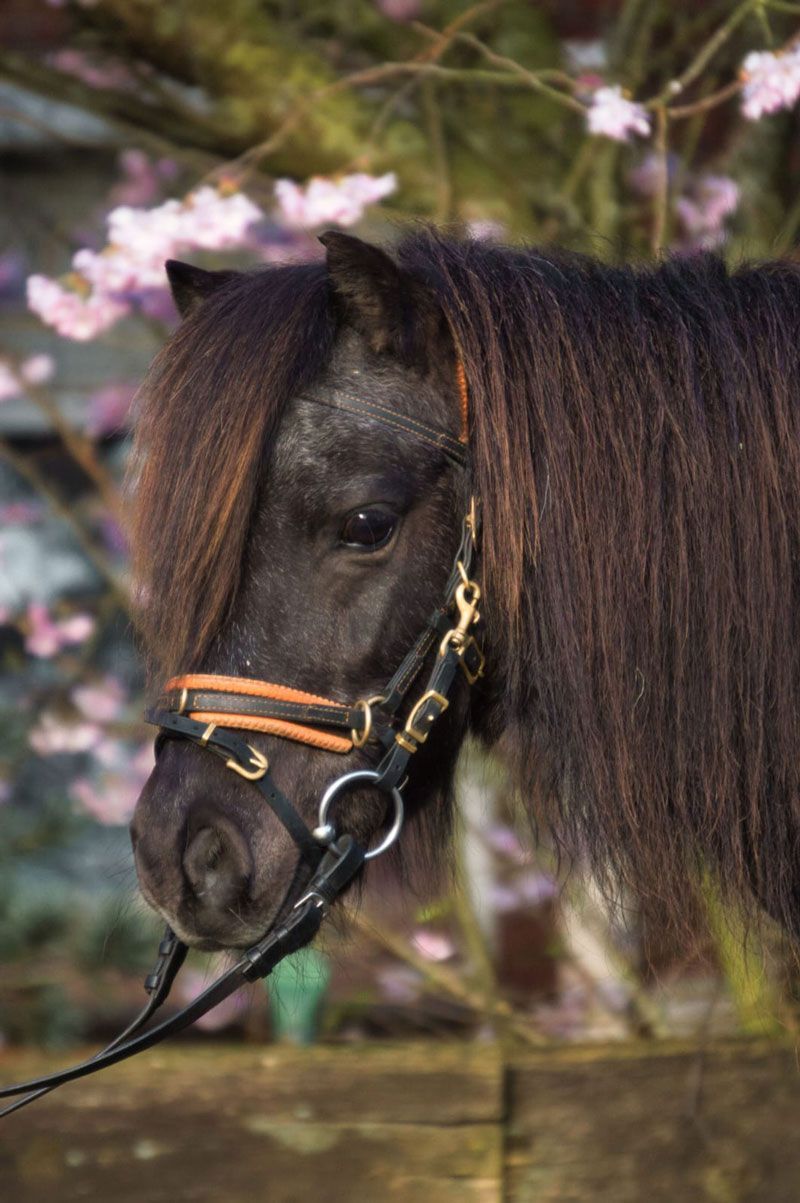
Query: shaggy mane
{"points": [[636, 447], [208, 407]]}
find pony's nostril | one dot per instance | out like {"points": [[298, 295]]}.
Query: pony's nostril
{"points": [[217, 865]]}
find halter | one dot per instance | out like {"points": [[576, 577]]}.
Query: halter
{"points": [[209, 710]]}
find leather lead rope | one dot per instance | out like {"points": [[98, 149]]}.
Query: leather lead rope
{"points": [[334, 860], [340, 863]]}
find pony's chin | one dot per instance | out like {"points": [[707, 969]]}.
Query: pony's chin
{"points": [[245, 937]]}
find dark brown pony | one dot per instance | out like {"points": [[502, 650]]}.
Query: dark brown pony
{"points": [[635, 448]]}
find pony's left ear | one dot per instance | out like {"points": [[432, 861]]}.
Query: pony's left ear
{"points": [[191, 285], [394, 311]]}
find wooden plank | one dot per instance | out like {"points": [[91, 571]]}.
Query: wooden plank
{"points": [[625, 1124], [411, 1123]]}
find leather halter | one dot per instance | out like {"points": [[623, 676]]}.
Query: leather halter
{"points": [[203, 708]]}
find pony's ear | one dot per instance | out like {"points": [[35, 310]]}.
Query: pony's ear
{"points": [[191, 285], [394, 311]]}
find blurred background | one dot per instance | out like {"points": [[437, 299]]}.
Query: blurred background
{"points": [[231, 134]]}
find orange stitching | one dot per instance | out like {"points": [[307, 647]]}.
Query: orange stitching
{"points": [[246, 685], [276, 726], [463, 400]]}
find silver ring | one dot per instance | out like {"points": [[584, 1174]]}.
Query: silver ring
{"points": [[363, 776]]}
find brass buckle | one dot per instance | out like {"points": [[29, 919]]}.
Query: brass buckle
{"points": [[256, 758], [411, 731]]}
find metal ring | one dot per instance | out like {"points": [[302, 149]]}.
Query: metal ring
{"points": [[363, 776], [359, 738]]}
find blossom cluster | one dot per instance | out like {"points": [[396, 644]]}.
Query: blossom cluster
{"points": [[771, 82], [703, 212], [37, 369], [109, 789], [339, 202], [612, 115], [45, 636], [104, 284]]}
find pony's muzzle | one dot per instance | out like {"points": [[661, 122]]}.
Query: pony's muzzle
{"points": [[217, 867]]}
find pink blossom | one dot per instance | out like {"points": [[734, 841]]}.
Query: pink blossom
{"points": [[73, 315], [37, 369], [485, 230], [399, 983], [95, 72], [102, 700], [46, 636], [214, 221], [21, 513], [111, 802], [771, 82], [432, 945], [324, 201], [536, 888], [400, 10], [503, 840], [702, 213], [142, 178], [52, 735], [613, 116], [109, 407]]}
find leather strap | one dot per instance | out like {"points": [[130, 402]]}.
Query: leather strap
{"points": [[362, 407], [243, 759]]}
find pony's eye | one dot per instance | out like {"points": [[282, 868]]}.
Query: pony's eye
{"points": [[368, 529]]}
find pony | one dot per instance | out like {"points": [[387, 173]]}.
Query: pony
{"points": [[634, 449]]}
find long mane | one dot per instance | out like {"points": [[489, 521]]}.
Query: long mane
{"points": [[636, 447], [207, 409]]}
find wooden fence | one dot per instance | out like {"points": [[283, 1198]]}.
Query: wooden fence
{"points": [[421, 1123]]}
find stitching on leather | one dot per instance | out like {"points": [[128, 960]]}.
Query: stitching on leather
{"points": [[305, 735], [270, 708], [378, 406], [435, 438]]}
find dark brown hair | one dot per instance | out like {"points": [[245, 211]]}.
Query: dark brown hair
{"points": [[635, 436], [206, 412]]}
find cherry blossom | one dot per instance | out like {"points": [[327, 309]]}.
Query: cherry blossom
{"points": [[102, 285], [108, 408], [111, 801], [142, 178], [433, 946], [212, 220], [103, 73], [53, 735], [771, 82], [703, 212], [77, 315], [37, 369], [612, 115], [46, 636], [101, 700], [338, 202]]}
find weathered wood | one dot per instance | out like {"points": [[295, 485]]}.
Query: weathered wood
{"points": [[416, 1124], [662, 1123], [421, 1123]]}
